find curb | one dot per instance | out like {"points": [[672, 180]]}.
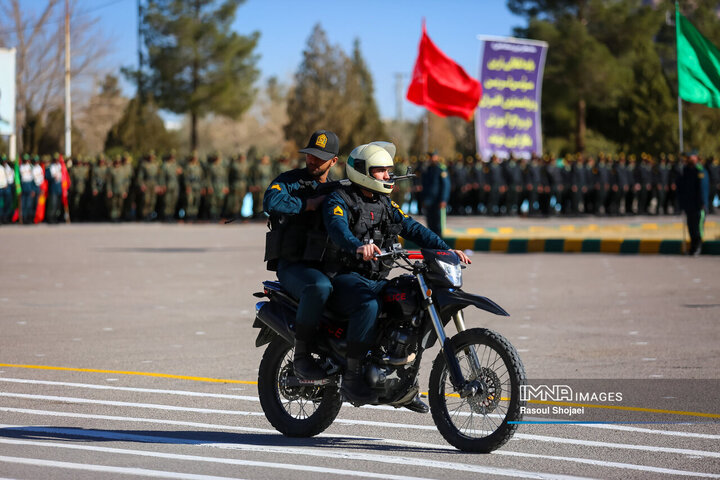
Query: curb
{"points": [[573, 245]]}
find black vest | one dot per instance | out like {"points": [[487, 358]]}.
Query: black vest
{"points": [[370, 221]]}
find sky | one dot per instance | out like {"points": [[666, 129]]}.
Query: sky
{"points": [[388, 30]]}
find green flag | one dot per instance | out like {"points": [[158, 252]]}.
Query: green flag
{"points": [[698, 64]]}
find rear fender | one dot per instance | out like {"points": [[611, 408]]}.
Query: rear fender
{"points": [[273, 319]]}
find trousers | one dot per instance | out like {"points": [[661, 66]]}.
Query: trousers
{"points": [[309, 285], [358, 299]]}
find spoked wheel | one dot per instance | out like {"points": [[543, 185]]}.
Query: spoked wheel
{"points": [[479, 422], [294, 410]]}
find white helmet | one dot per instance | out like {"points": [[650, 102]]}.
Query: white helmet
{"points": [[365, 157]]}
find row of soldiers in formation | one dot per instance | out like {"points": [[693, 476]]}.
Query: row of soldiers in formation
{"points": [[575, 184], [215, 187]]}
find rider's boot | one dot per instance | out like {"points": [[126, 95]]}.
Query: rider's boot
{"points": [[354, 386], [304, 364], [417, 405]]}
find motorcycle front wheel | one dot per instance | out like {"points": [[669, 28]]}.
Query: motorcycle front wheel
{"points": [[480, 422], [295, 411]]}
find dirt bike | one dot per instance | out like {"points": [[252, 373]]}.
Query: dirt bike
{"points": [[474, 386]]}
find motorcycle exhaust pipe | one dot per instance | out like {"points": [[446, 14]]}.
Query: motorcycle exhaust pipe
{"points": [[278, 318]]}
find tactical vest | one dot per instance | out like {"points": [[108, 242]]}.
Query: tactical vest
{"points": [[296, 238], [370, 222]]}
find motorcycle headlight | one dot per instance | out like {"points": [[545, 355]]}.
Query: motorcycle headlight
{"points": [[453, 273]]}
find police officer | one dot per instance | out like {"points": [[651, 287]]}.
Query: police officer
{"points": [[360, 220], [713, 169], [435, 192], [693, 192], [296, 243]]}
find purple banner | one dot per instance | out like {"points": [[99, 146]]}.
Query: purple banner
{"points": [[508, 117]]}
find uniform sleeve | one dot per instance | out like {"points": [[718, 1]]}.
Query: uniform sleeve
{"points": [[335, 217], [416, 232], [279, 199]]}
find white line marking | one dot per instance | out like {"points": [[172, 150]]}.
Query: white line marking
{"points": [[141, 472], [523, 436], [54, 398], [283, 450], [624, 428]]}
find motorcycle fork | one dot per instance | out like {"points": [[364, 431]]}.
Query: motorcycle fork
{"points": [[456, 377], [470, 352]]}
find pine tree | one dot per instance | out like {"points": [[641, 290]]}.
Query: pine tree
{"points": [[367, 125], [196, 64]]}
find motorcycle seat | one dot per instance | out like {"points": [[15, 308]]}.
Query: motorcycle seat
{"points": [[277, 287]]}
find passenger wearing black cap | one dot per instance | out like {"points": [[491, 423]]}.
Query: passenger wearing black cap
{"points": [[296, 243]]}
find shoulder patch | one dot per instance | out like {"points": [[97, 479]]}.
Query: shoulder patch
{"points": [[276, 187], [338, 211], [398, 208]]}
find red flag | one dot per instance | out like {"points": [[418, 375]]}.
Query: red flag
{"points": [[42, 198], [65, 182], [440, 84]]}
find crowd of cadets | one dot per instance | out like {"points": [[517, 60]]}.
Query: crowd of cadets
{"points": [[573, 185], [215, 187]]}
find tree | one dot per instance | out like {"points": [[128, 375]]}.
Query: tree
{"points": [[333, 91], [367, 125], [318, 98], [261, 126], [40, 68], [196, 64], [580, 70], [139, 130], [441, 137], [96, 117]]}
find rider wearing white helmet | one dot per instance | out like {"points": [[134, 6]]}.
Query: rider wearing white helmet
{"points": [[361, 220]]}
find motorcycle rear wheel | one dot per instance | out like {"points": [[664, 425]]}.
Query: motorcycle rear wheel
{"points": [[479, 423], [294, 411]]}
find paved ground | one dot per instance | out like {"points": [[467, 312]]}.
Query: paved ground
{"points": [[114, 338]]}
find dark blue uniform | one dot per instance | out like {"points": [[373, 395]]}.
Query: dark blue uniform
{"points": [[356, 296], [435, 192], [287, 195], [693, 192]]}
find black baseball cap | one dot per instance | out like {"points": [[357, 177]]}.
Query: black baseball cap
{"points": [[323, 144]]}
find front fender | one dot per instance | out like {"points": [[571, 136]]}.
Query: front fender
{"points": [[454, 300]]}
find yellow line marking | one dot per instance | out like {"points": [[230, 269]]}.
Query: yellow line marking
{"points": [[629, 409], [247, 382], [120, 372]]}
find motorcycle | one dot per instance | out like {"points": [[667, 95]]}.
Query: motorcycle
{"points": [[475, 380]]}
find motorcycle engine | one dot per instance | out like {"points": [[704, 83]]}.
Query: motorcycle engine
{"points": [[395, 363]]}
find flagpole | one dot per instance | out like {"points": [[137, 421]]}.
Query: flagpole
{"points": [[677, 55], [680, 126]]}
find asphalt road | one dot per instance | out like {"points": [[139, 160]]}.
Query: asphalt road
{"points": [[114, 336]]}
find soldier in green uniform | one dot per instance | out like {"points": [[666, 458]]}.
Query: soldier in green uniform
{"points": [[79, 177], [128, 209], [217, 186], [261, 176], [238, 178], [147, 185], [118, 186], [194, 182], [169, 183], [98, 183]]}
